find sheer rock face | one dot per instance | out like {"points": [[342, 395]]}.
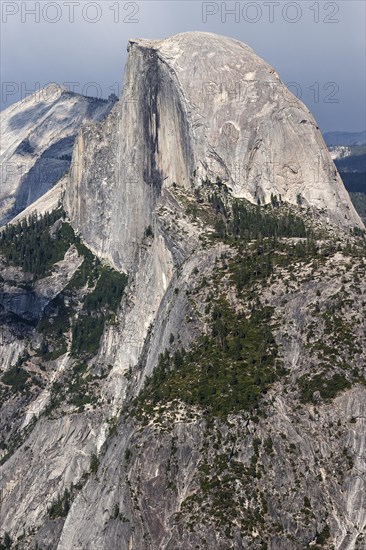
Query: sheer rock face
{"points": [[197, 105], [37, 137], [120, 167]]}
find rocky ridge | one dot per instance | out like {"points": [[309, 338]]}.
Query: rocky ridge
{"points": [[37, 138], [220, 404]]}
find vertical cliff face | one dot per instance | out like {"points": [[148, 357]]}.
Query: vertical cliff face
{"points": [[117, 179]]}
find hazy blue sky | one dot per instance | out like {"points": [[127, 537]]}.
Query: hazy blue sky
{"points": [[320, 46]]}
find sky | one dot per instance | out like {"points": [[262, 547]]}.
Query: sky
{"points": [[317, 47]]}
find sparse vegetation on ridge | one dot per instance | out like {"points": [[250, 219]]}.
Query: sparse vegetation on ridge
{"points": [[35, 245], [233, 364], [98, 307], [225, 371]]}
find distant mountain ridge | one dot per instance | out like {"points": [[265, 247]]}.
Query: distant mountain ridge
{"points": [[37, 138], [348, 151], [345, 138]]}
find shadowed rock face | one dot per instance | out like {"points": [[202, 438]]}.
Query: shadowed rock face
{"points": [[197, 105]]}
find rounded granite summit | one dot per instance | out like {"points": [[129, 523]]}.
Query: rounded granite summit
{"points": [[196, 106], [245, 126]]}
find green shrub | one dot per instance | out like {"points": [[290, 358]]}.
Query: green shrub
{"points": [[94, 463], [323, 536], [149, 232], [61, 507], [16, 377], [327, 387]]}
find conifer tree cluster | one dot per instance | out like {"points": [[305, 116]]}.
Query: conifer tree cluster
{"points": [[31, 245]]}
